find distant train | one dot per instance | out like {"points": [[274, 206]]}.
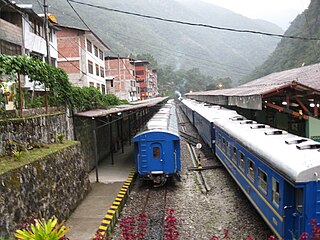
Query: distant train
{"points": [[277, 171], [157, 148]]}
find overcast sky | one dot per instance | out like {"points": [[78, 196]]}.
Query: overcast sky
{"points": [[280, 12]]}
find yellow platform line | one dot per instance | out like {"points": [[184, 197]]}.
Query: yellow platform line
{"points": [[110, 219]]}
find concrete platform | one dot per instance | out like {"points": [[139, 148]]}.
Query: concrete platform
{"points": [[85, 220]]}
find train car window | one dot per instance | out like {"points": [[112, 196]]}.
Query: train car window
{"points": [[218, 139], [263, 181], [242, 161], [228, 148], [275, 192], [224, 144], [251, 170], [234, 154], [156, 152], [299, 199]]}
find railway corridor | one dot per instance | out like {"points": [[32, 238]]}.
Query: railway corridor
{"points": [[199, 215]]}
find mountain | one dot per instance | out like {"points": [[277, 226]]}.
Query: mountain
{"points": [[292, 53], [215, 52]]}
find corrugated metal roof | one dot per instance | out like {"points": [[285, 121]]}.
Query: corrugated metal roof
{"points": [[104, 112], [308, 76]]}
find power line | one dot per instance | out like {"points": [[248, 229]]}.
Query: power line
{"points": [[189, 56], [36, 32], [196, 24], [242, 70]]}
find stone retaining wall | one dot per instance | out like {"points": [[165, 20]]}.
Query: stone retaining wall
{"points": [[35, 130], [51, 186]]}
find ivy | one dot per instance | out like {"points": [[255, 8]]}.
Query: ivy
{"points": [[56, 80]]}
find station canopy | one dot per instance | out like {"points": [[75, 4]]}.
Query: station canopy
{"points": [[297, 89]]}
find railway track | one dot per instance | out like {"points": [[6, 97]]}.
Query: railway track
{"points": [[192, 141], [155, 208], [189, 138], [204, 186]]}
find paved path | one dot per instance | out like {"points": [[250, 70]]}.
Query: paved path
{"points": [[86, 219]]}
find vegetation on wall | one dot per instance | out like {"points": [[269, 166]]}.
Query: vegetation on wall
{"points": [[54, 80]]}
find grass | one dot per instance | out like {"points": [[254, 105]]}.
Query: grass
{"points": [[7, 163]]}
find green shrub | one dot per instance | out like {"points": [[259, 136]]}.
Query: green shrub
{"points": [[60, 137], [87, 98], [42, 230]]}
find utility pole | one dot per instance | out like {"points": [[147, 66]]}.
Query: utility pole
{"points": [[119, 77], [46, 30]]}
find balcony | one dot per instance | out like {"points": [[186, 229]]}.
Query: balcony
{"points": [[10, 33]]}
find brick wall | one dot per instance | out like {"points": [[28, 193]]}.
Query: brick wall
{"points": [[70, 66]]}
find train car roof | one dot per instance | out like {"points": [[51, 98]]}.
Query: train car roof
{"points": [[165, 120], [156, 132], [297, 158], [209, 112], [213, 113]]}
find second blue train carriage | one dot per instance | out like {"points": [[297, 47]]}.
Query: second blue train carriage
{"points": [[157, 149]]}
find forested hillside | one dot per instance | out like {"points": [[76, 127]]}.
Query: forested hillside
{"points": [[216, 53], [291, 53]]}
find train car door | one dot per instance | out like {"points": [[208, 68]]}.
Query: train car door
{"points": [[157, 157], [298, 220]]}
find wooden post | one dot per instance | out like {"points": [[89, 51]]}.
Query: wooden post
{"points": [[20, 94]]}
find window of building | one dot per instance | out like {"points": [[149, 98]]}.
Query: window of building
{"points": [[96, 51], [89, 46], [101, 71], [111, 84], [251, 169], [91, 84], [263, 181], [140, 72], [51, 35], [100, 54], [234, 154], [90, 67], [98, 86], [275, 192], [103, 89], [156, 152], [242, 161], [97, 69], [9, 48]]}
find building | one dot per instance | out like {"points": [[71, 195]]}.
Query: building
{"points": [[147, 79], [120, 78], [288, 100], [153, 83], [81, 55], [22, 32], [11, 33]]}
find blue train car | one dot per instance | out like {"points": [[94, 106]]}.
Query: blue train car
{"points": [[188, 107], [277, 171], [204, 118], [157, 148]]}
